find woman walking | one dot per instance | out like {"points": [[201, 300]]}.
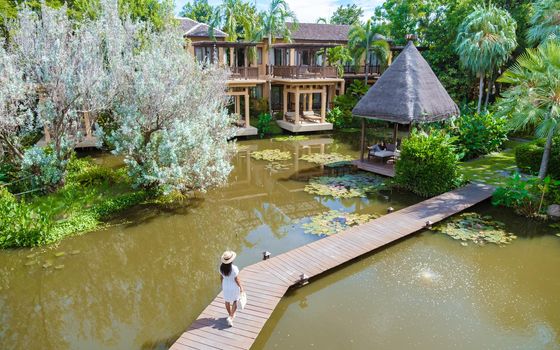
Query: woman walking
{"points": [[231, 285]]}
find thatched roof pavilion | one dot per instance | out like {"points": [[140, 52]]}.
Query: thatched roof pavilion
{"points": [[408, 92]]}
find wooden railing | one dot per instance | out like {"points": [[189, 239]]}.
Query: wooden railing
{"points": [[244, 73], [303, 72]]}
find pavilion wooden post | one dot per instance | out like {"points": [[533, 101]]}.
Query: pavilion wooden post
{"points": [[247, 121], [246, 62], [296, 117], [304, 103], [238, 104], [323, 104], [395, 131], [231, 57], [309, 101], [87, 124], [362, 140], [284, 102]]}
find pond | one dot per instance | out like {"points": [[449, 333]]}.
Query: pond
{"points": [[140, 282]]}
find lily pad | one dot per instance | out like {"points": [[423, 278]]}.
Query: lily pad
{"points": [[477, 229], [290, 138], [47, 264], [346, 186], [31, 256], [326, 158], [275, 166], [59, 254], [271, 155], [74, 252], [335, 221], [32, 262], [59, 267]]}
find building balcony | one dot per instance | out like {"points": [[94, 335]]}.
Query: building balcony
{"points": [[361, 70], [302, 72]]}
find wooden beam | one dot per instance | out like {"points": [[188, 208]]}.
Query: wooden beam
{"points": [[323, 104], [247, 118], [362, 139], [296, 117], [284, 103]]}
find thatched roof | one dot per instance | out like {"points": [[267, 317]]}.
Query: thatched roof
{"points": [[319, 32], [408, 91]]}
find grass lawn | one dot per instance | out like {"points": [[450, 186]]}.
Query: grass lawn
{"points": [[494, 168]]}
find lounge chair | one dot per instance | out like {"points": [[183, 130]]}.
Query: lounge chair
{"points": [[390, 152]]}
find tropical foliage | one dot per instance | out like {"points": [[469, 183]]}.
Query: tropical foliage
{"points": [[199, 10], [420, 155], [527, 196], [345, 14], [485, 42], [545, 21], [479, 134], [528, 157], [362, 41], [534, 98]]}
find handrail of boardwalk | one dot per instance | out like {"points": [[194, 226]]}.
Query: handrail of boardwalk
{"points": [[267, 281]]}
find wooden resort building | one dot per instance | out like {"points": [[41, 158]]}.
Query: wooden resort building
{"points": [[295, 75], [407, 93]]}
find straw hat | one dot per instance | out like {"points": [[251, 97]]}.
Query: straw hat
{"points": [[228, 257]]}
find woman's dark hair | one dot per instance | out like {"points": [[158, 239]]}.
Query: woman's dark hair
{"points": [[225, 269]]}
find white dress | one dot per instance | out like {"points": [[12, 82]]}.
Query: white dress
{"points": [[229, 286]]}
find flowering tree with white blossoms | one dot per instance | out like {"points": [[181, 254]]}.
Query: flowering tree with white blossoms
{"points": [[14, 109], [173, 127]]}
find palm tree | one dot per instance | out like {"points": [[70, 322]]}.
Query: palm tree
{"points": [[274, 25], [545, 21], [362, 40], [534, 98], [485, 41]]}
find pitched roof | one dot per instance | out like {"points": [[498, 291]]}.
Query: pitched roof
{"points": [[320, 32], [192, 28], [408, 91]]}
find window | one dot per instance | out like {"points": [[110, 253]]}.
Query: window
{"points": [[278, 57], [259, 55], [257, 92], [276, 97]]}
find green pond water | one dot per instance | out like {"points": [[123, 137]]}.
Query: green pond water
{"points": [[139, 283]]}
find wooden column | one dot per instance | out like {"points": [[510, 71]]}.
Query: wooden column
{"points": [[310, 102], [284, 102], [342, 87], [247, 118], [395, 131], [323, 104], [296, 117], [362, 139], [304, 103], [238, 104], [87, 124], [246, 62], [231, 60]]}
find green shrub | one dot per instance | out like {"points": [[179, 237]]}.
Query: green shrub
{"points": [[259, 106], [479, 134], [345, 103], [338, 119], [528, 157], [44, 168], [20, 225], [428, 164], [263, 124], [84, 172], [528, 197]]}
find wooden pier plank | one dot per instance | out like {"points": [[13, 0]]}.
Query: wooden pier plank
{"points": [[267, 281]]}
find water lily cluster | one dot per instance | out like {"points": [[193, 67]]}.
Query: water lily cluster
{"points": [[326, 158], [476, 228], [291, 138], [346, 186], [335, 221], [271, 155]]}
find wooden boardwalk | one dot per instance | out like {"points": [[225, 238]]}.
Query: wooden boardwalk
{"points": [[376, 167], [267, 281]]}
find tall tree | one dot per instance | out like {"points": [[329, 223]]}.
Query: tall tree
{"points": [[173, 136], [485, 41], [274, 25], [362, 42], [534, 98], [545, 21], [199, 10], [347, 14]]}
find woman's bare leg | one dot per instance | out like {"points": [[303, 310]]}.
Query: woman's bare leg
{"points": [[234, 308], [228, 308]]}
